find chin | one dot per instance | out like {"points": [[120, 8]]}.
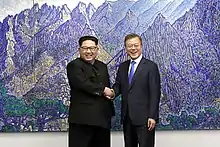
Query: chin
{"points": [[89, 60], [134, 57]]}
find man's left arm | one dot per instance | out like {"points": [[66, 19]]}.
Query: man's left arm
{"points": [[155, 92]]}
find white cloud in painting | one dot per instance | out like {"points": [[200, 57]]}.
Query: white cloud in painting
{"points": [[12, 7]]}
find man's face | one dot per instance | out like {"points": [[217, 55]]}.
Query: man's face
{"points": [[88, 51], [133, 47]]}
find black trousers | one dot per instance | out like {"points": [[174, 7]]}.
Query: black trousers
{"points": [[135, 135], [88, 136]]}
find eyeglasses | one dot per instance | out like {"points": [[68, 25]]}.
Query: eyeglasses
{"points": [[130, 46], [92, 48]]}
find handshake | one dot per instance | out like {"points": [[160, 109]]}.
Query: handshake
{"points": [[109, 93]]}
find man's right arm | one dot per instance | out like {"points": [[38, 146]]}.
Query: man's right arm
{"points": [[117, 85], [78, 79]]}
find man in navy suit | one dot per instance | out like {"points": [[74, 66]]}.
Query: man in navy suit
{"points": [[138, 82]]}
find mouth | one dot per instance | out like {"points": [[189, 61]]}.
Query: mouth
{"points": [[88, 55], [133, 53]]}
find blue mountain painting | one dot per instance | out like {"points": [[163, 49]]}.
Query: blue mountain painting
{"points": [[181, 36]]}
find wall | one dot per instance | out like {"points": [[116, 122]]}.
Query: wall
{"points": [[163, 139], [182, 38]]}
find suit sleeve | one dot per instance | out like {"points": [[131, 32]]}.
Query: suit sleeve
{"points": [[78, 79], [154, 84], [108, 77], [117, 84]]}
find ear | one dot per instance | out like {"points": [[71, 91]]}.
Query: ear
{"points": [[98, 52], [126, 50]]}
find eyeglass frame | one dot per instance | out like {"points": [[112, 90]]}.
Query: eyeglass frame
{"points": [[130, 46], [91, 48]]}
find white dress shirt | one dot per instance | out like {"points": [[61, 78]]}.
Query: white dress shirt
{"points": [[138, 60]]}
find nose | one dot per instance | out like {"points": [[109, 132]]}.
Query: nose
{"points": [[88, 51], [133, 47]]}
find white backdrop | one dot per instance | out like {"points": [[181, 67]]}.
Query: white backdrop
{"points": [[163, 139]]}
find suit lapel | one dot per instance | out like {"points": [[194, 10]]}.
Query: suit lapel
{"points": [[137, 72], [125, 72]]}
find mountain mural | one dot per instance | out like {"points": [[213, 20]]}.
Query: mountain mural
{"points": [[181, 36]]}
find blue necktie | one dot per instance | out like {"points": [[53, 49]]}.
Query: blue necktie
{"points": [[131, 73]]}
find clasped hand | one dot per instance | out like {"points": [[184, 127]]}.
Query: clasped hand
{"points": [[109, 93]]}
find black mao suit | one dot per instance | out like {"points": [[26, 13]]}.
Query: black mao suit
{"points": [[140, 101], [90, 112]]}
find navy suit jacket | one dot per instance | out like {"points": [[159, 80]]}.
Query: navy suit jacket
{"points": [[141, 98]]}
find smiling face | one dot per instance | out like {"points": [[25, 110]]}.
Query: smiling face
{"points": [[88, 51], [133, 47]]}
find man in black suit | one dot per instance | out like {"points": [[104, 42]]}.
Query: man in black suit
{"points": [[138, 82], [91, 108]]}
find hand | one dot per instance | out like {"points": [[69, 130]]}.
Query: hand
{"points": [[109, 93], [113, 94], [151, 124]]}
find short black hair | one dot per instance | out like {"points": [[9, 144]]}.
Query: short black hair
{"points": [[131, 36], [84, 38]]}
